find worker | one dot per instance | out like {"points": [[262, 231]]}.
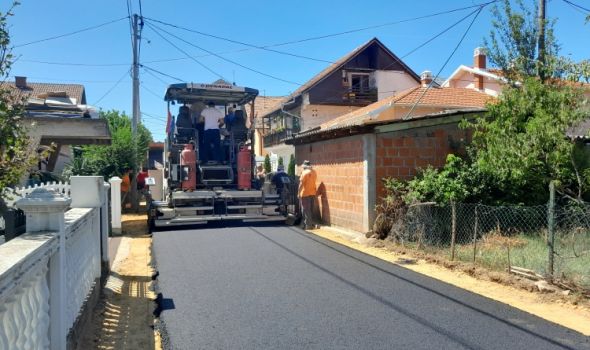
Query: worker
{"points": [[260, 175], [196, 110], [307, 195], [212, 117], [280, 179], [125, 187], [230, 118]]}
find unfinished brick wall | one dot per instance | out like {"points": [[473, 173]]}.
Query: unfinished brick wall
{"points": [[339, 165], [401, 153]]}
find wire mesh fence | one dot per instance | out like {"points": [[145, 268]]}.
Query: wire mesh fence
{"points": [[552, 243]]}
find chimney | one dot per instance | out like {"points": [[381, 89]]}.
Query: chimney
{"points": [[20, 82], [426, 78], [479, 58], [479, 62]]}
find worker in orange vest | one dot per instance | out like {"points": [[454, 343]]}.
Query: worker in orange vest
{"points": [[125, 187], [307, 194]]}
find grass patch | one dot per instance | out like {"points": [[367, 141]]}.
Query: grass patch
{"points": [[530, 251]]}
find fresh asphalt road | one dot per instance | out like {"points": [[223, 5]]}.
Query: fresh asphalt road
{"points": [[277, 287]]}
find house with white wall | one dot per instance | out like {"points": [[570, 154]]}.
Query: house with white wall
{"points": [[365, 75], [57, 115]]}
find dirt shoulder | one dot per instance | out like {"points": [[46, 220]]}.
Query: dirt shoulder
{"points": [[123, 318], [558, 310]]}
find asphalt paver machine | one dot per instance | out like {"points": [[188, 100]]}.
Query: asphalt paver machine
{"points": [[198, 190]]}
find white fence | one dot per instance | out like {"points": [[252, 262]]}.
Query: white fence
{"points": [[14, 194], [48, 274]]}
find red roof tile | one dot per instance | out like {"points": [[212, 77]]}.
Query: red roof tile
{"points": [[445, 98], [37, 89]]}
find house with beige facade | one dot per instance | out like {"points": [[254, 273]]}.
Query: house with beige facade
{"points": [[57, 116], [366, 75]]}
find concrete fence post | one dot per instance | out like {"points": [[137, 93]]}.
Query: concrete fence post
{"points": [[87, 192], [116, 204], [45, 212], [104, 227]]}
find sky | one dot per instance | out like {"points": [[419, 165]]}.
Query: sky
{"points": [[100, 58]]}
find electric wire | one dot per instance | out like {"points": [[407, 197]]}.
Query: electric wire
{"points": [[130, 22], [151, 26], [480, 7], [577, 6], [71, 33], [149, 90], [238, 42], [267, 47], [444, 64], [381, 25], [439, 34], [155, 76], [161, 73], [77, 63], [112, 87], [260, 47], [162, 119], [50, 79]]}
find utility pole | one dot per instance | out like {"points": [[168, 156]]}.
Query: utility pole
{"points": [[541, 41], [136, 112]]}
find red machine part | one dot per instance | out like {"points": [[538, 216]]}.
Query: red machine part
{"points": [[188, 158], [244, 169]]}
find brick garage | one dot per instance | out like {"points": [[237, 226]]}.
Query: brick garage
{"points": [[351, 161], [339, 165], [401, 153]]}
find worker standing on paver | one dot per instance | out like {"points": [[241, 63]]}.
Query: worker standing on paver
{"points": [[212, 117], [307, 194]]}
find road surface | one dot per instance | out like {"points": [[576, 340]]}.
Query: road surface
{"points": [[277, 287]]}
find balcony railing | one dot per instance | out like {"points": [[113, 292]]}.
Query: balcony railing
{"points": [[277, 137], [360, 96]]}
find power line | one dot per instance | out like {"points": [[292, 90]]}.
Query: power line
{"points": [[239, 42], [577, 6], [439, 34], [151, 116], [184, 52], [152, 26], [155, 76], [45, 79], [445, 64], [382, 25], [77, 64], [266, 46], [321, 36], [150, 91], [71, 33], [161, 73], [112, 87]]}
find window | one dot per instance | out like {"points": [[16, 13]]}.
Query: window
{"points": [[359, 82]]}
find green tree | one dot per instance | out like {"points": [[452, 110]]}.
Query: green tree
{"points": [[267, 165], [513, 45], [281, 162], [520, 145], [113, 159], [291, 168], [521, 142], [16, 155]]}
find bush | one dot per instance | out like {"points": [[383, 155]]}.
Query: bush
{"points": [[267, 165], [291, 169]]}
